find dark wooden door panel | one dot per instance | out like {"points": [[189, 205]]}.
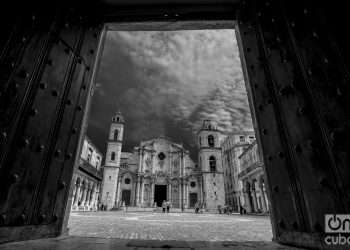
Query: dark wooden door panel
{"points": [[43, 124], [296, 79]]}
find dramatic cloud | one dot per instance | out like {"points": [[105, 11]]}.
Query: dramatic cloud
{"points": [[166, 83]]}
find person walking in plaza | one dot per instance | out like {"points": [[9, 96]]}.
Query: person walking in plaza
{"points": [[196, 207], [168, 206], [163, 206]]}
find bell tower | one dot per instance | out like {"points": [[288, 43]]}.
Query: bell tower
{"points": [[112, 160], [210, 163]]}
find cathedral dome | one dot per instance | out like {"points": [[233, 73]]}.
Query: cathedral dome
{"points": [[118, 117], [210, 125]]}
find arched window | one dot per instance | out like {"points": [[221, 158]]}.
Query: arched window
{"points": [[212, 163], [211, 141], [115, 134], [113, 156]]}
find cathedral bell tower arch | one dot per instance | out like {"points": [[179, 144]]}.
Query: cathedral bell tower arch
{"points": [[112, 161], [211, 165]]}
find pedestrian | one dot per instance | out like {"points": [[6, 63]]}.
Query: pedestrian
{"points": [[163, 206], [168, 206], [196, 207]]}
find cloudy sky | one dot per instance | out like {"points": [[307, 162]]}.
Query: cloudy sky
{"points": [[166, 83]]}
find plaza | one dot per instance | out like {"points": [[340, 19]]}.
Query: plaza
{"points": [[155, 230], [172, 226]]}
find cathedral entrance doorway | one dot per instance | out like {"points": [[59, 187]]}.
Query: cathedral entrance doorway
{"points": [[126, 194], [193, 199], [160, 194]]}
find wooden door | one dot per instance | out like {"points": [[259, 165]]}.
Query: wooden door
{"points": [[298, 87], [46, 68]]}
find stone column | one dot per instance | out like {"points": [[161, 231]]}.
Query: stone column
{"points": [[118, 192], [141, 161], [255, 201], [87, 195], [137, 200], [247, 200], [263, 201], [142, 191], [92, 197], [92, 193], [186, 195], [200, 195], [82, 196], [152, 193], [153, 162], [180, 194], [170, 196], [76, 195], [97, 193], [182, 171], [170, 163]]}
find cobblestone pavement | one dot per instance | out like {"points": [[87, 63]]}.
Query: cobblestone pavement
{"points": [[75, 243], [149, 230], [172, 226]]}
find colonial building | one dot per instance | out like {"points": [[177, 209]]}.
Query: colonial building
{"points": [[159, 169], [253, 179], [87, 178], [232, 147]]}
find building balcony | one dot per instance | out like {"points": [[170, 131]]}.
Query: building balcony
{"points": [[91, 170], [252, 168]]}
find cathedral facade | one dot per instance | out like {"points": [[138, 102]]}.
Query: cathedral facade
{"points": [[159, 169]]}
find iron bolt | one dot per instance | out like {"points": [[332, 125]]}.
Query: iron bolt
{"points": [[54, 93], [62, 185], [14, 178], [57, 152]]}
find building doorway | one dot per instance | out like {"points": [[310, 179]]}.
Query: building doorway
{"points": [[297, 134], [160, 192], [126, 194], [193, 199]]}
